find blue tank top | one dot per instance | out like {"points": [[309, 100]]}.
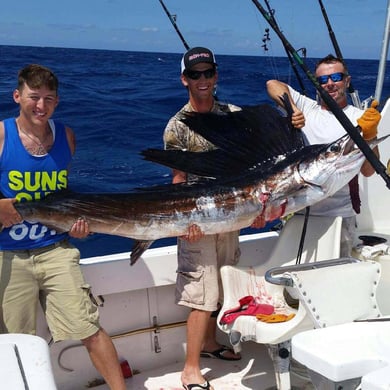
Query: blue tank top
{"points": [[26, 177]]}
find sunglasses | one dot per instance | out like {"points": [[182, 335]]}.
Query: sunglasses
{"points": [[335, 77], [196, 74]]}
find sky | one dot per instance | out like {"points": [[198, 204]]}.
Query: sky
{"points": [[233, 27]]}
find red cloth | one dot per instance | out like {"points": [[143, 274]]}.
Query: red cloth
{"points": [[247, 307]]}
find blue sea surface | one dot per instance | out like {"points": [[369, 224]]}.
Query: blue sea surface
{"points": [[118, 103]]}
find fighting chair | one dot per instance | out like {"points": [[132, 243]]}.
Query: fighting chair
{"points": [[351, 340]]}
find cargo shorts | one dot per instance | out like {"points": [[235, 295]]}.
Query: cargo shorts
{"points": [[51, 276], [198, 282]]}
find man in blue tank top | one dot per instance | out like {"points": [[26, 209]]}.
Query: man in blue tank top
{"points": [[36, 262]]}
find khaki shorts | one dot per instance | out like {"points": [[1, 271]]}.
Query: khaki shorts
{"points": [[198, 283], [51, 275]]}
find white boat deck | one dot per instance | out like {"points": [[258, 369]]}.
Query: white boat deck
{"points": [[253, 371]]}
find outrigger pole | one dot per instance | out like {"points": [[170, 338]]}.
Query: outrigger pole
{"points": [[383, 59], [329, 101], [172, 18], [351, 90]]}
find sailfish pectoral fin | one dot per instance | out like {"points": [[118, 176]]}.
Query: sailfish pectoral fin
{"points": [[139, 247]]}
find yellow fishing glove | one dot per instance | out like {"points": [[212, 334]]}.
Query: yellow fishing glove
{"points": [[368, 122]]}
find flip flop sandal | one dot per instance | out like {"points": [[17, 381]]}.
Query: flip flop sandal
{"points": [[194, 386], [219, 354]]}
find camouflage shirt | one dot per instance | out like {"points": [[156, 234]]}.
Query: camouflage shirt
{"points": [[179, 136]]}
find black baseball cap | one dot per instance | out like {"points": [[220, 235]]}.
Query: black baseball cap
{"points": [[195, 56]]}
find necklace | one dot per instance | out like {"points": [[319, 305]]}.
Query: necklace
{"points": [[40, 149]]}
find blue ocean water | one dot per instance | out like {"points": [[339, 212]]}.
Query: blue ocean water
{"points": [[119, 102]]}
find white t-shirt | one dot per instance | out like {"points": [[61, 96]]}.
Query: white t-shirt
{"points": [[321, 127]]}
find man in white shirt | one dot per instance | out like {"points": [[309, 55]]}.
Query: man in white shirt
{"points": [[320, 125]]}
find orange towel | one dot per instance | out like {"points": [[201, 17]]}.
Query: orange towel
{"points": [[275, 317]]}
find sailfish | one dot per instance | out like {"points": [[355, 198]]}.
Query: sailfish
{"points": [[260, 165]]}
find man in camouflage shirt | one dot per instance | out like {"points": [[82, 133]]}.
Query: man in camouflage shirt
{"points": [[200, 256]]}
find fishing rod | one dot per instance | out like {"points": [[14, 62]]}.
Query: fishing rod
{"points": [[330, 102], [351, 90], [293, 65], [172, 18]]}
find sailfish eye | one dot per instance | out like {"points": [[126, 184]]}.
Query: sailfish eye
{"points": [[335, 148]]}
